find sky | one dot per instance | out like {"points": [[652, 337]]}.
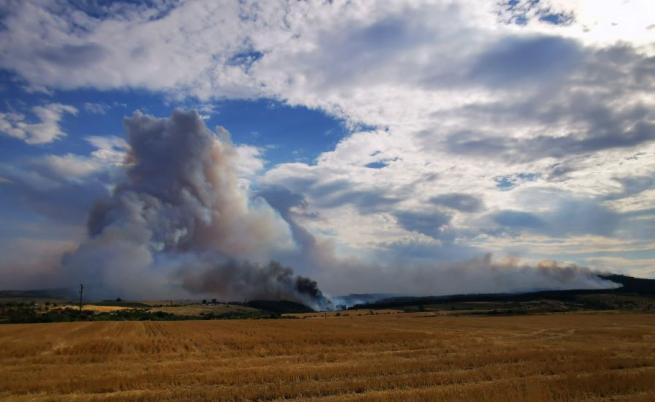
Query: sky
{"points": [[391, 146]]}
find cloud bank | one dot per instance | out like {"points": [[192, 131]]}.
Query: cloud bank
{"points": [[46, 129], [517, 128], [180, 223]]}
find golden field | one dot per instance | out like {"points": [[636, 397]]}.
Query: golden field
{"points": [[395, 357]]}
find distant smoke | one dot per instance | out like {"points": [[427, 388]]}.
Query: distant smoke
{"points": [[181, 222], [182, 213], [486, 275], [478, 275], [403, 275]]}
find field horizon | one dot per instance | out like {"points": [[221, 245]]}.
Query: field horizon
{"points": [[357, 356], [42, 305]]}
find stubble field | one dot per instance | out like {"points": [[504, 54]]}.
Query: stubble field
{"points": [[558, 357]]}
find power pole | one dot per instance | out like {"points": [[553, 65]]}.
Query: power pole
{"points": [[81, 295]]}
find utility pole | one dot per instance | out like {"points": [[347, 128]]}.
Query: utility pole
{"points": [[81, 295]]}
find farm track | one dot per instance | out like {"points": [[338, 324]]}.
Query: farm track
{"points": [[396, 357]]}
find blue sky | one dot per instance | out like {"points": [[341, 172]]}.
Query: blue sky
{"points": [[426, 140], [287, 133]]}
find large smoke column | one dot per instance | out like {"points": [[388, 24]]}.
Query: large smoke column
{"points": [[181, 219]]}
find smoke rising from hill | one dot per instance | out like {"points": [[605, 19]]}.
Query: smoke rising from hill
{"points": [[236, 280], [482, 274], [182, 222], [486, 274], [181, 213]]}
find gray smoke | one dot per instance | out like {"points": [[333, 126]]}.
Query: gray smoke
{"points": [[181, 219], [238, 279], [181, 222], [488, 275], [401, 275], [474, 276]]}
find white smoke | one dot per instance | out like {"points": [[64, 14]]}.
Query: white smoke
{"points": [[484, 274]]}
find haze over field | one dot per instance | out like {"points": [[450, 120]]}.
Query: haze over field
{"points": [[249, 150]]}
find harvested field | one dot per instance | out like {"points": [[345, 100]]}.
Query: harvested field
{"points": [[101, 309], [557, 357]]}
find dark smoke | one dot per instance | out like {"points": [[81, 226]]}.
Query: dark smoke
{"points": [[243, 279]]}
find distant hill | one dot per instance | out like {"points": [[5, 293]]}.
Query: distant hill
{"points": [[631, 284], [359, 298], [634, 293]]}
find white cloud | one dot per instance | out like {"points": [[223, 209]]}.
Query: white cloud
{"points": [[461, 101], [602, 22], [69, 165], [96, 108], [108, 149], [57, 170], [250, 161], [45, 130], [64, 186]]}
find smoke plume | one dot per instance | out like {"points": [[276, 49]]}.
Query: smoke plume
{"points": [[181, 218], [402, 275], [480, 275], [181, 221], [238, 279]]}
